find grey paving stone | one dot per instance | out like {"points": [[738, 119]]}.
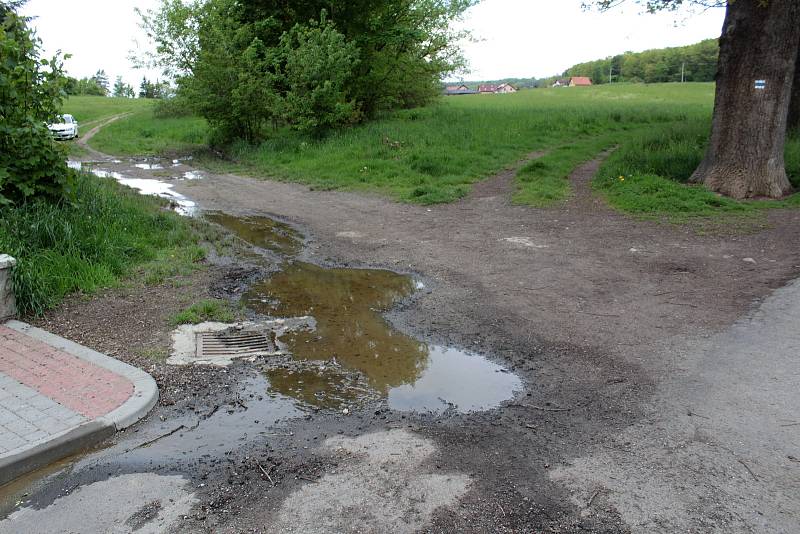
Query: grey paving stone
{"points": [[36, 436], [20, 427], [58, 412], [31, 414], [9, 440]]}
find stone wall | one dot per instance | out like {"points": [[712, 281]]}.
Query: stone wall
{"points": [[8, 308]]}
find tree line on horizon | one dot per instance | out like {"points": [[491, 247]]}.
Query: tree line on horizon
{"points": [[692, 63], [99, 85]]}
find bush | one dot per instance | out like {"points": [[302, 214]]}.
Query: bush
{"points": [[317, 62], [30, 162], [173, 108]]}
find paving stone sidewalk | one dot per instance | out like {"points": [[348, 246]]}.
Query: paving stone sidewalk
{"points": [[57, 397]]}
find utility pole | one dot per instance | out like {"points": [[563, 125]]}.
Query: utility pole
{"points": [[683, 65], [610, 70]]}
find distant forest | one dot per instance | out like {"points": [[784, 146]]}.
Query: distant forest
{"points": [[698, 61]]}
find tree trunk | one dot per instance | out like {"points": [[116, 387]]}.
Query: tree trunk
{"points": [[793, 121], [758, 51]]}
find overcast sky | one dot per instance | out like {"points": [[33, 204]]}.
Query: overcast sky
{"points": [[516, 38]]}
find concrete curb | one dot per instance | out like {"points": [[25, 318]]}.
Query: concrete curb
{"points": [[145, 396], [54, 449]]}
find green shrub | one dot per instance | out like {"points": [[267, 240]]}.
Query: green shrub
{"points": [[30, 162], [174, 107]]}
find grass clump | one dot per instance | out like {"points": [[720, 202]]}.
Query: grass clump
{"points": [[649, 176], [103, 233], [205, 310]]}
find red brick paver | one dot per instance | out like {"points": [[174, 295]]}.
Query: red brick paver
{"points": [[87, 389]]}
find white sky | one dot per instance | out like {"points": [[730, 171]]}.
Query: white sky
{"points": [[516, 38]]}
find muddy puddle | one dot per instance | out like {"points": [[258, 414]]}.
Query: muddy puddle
{"points": [[261, 232], [354, 355], [145, 186], [149, 166]]}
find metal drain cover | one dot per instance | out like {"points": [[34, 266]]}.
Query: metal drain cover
{"points": [[238, 344]]}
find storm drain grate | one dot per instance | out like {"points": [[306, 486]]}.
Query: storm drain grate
{"points": [[233, 344]]}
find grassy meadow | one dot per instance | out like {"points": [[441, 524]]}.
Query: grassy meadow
{"points": [[434, 154], [91, 110]]}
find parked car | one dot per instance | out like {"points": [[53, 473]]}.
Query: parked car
{"points": [[66, 129]]}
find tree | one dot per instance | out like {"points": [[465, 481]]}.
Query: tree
{"points": [[755, 73], [758, 52], [122, 89], [696, 62], [793, 119], [307, 55], [101, 80], [32, 91], [211, 47]]}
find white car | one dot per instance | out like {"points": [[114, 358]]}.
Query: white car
{"points": [[66, 129]]}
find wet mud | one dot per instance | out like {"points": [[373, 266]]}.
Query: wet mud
{"points": [[351, 336], [256, 441]]}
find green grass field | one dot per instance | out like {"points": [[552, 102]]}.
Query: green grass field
{"points": [[91, 110], [434, 154]]}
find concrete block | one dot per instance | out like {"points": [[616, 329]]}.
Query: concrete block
{"points": [[8, 306]]}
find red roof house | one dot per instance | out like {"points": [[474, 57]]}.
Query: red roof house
{"points": [[579, 81]]}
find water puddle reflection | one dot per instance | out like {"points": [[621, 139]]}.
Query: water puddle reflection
{"points": [[454, 379], [180, 203], [354, 355], [149, 166], [261, 232]]}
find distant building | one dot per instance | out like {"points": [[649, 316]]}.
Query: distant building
{"points": [[575, 81], [458, 90], [494, 88], [580, 81]]}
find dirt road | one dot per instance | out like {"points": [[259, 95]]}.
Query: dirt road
{"points": [[660, 388]]}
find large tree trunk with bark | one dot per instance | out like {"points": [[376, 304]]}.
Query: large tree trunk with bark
{"points": [[793, 121], [758, 51]]}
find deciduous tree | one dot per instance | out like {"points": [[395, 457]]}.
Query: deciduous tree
{"points": [[404, 47], [101, 80], [755, 74]]}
